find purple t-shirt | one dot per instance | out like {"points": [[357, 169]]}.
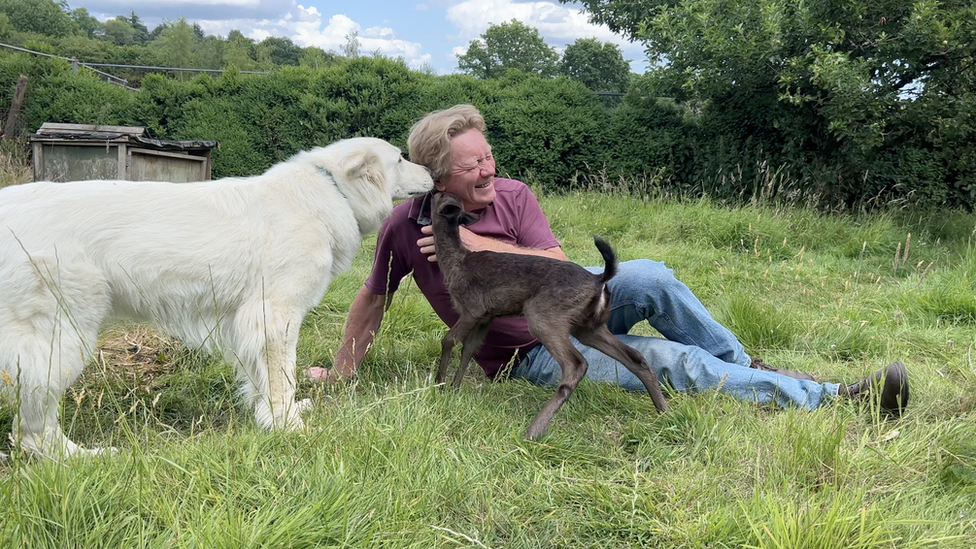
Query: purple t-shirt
{"points": [[514, 217]]}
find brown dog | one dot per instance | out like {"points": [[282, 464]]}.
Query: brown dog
{"points": [[557, 298]]}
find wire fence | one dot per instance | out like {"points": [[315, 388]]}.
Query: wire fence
{"points": [[609, 99], [111, 78]]}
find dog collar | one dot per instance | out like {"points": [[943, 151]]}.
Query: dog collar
{"points": [[335, 184]]}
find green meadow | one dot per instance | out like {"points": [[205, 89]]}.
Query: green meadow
{"points": [[388, 459]]}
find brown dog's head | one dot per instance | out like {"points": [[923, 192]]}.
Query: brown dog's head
{"points": [[447, 209]]}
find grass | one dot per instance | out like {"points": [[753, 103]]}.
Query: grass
{"points": [[15, 164], [390, 461]]}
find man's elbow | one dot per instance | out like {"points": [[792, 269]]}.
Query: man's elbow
{"points": [[557, 253]]}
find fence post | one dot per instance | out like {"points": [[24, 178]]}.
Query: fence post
{"points": [[10, 128]]}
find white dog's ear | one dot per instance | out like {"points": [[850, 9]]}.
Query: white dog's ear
{"points": [[365, 164]]}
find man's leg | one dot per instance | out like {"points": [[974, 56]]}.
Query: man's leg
{"points": [[648, 290], [685, 368]]}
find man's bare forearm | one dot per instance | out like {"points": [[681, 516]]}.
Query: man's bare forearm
{"points": [[365, 316], [478, 243]]}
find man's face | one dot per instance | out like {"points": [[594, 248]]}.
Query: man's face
{"points": [[472, 172]]}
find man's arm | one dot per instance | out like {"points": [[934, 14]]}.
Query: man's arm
{"points": [[362, 323], [478, 243]]}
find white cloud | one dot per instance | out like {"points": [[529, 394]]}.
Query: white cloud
{"points": [[331, 37], [307, 28], [323, 24], [554, 21], [558, 25]]}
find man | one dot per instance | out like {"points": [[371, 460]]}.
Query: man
{"points": [[696, 353]]}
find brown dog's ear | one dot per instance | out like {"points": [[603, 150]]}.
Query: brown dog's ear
{"points": [[450, 210], [468, 218]]}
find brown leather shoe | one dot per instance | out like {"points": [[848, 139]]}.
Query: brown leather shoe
{"points": [[758, 364], [889, 386]]}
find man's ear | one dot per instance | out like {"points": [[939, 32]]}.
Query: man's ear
{"points": [[468, 218]]}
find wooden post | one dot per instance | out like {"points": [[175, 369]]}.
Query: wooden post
{"points": [[11, 126]]}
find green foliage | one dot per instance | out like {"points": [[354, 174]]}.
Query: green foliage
{"points": [[87, 25], [317, 58], [544, 130], [176, 44], [505, 46], [775, 100], [119, 32], [388, 460], [240, 52], [599, 66], [857, 99], [38, 16], [279, 51]]}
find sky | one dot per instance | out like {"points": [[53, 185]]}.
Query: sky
{"points": [[426, 34]]}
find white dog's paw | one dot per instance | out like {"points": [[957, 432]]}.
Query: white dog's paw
{"points": [[304, 405], [95, 452], [292, 419]]}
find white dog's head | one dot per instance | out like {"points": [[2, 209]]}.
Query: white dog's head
{"points": [[371, 174], [382, 164]]}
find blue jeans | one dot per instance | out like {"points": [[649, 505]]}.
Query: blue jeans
{"points": [[698, 353]]}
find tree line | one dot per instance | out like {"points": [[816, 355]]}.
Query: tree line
{"points": [[838, 102], [52, 26]]}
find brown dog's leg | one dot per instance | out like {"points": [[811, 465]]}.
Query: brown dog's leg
{"points": [[456, 334], [602, 340], [574, 368], [470, 346]]}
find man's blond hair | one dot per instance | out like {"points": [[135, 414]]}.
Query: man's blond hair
{"points": [[429, 143]]}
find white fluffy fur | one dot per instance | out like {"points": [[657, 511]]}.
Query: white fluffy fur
{"points": [[233, 264]]}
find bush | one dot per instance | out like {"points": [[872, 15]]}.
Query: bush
{"points": [[551, 132]]}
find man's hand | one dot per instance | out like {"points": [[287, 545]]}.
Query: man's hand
{"points": [[326, 375], [426, 244]]}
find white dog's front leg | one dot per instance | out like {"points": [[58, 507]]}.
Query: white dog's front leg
{"points": [[285, 412], [275, 407], [266, 360]]}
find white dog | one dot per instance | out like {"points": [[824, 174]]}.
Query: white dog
{"points": [[233, 264]]}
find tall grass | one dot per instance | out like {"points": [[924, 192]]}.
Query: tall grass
{"points": [[15, 164], [388, 460]]}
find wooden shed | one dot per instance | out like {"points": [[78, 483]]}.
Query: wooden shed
{"points": [[73, 152]]}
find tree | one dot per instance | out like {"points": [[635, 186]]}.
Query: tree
{"points": [[317, 58], [39, 16], [6, 29], [85, 23], [505, 46], [843, 84], [240, 51], [351, 48], [175, 44], [118, 31], [279, 51], [599, 66], [141, 35]]}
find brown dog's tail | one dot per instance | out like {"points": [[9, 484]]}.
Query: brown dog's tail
{"points": [[609, 258]]}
